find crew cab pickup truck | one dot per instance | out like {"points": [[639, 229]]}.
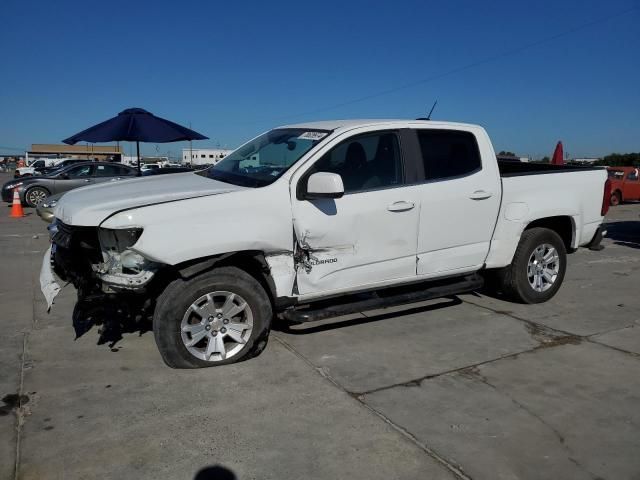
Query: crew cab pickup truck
{"points": [[321, 219]]}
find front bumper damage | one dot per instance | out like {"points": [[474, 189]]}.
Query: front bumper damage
{"points": [[50, 288], [98, 260]]}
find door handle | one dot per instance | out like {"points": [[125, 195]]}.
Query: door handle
{"points": [[401, 206], [480, 195], [87, 180]]}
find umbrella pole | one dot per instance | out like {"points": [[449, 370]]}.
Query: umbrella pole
{"points": [[138, 150]]}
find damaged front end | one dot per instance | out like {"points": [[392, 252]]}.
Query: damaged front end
{"points": [[100, 259], [122, 267]]}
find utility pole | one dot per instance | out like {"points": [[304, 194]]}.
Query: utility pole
{"points": [[190, 149]]}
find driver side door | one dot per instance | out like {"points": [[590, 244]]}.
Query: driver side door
{"points": [[366, 237], [75, 177]]}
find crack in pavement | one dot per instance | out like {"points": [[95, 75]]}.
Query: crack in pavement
{"points": [[20, 410], [454, 469], [474, 373], [556, 336]]}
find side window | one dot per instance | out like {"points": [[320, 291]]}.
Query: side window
{"points": [[366, 162], [81, 171], [448, 153], [124, 171], [107, 171], [112, 171], [633, 175]]}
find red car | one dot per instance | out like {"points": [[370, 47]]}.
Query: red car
{"points": [[625, 184]]}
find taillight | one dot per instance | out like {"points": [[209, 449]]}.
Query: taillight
{"points": [[606, 198]]}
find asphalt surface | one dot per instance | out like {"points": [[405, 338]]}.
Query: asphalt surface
{"points": [[466, 387]]}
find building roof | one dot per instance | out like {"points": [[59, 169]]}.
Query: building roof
{"points": [[39, 148]]}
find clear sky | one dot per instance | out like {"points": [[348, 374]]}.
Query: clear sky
{"points": [[531, 73]]}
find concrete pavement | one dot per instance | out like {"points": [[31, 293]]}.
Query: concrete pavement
{"points": [[467, 387]]}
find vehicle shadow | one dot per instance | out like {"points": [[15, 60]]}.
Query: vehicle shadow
{"points": [[217, 472], [114, 317], [283, 326], [624, 233]]}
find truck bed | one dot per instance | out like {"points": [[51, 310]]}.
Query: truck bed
{"points": [[516, 169]]}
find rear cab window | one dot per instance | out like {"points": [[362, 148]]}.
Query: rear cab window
{"points": [[448, 154]]}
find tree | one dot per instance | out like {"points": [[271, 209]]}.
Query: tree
{"points": [[507, 154], [620, 160]]}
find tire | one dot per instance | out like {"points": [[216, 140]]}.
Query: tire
{"points": [[515, 280], [35, 195], [615, 199], [176, 321]]}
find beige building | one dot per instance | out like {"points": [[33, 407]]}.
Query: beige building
{"points": [[90, 152]]}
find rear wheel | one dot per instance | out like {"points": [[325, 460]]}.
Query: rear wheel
{"points": [[35, 195], [538, 267], [222, 316], [615, 199]]}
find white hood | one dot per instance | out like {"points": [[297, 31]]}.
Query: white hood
{"points": [[91, 205]]}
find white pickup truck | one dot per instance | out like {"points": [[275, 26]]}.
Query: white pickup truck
{"points": [[321, 219]]}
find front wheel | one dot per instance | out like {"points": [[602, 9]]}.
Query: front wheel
{"points": [[538, 267], [35, 195], [222, 316]]}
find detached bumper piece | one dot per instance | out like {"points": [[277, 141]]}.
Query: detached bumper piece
{"points": [[48, 284], [595, 243], [123, 281], [381, 299]]}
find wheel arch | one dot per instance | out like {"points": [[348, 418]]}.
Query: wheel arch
{"points": [[563, 225], [252, 262]]}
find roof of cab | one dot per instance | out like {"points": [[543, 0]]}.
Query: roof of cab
{"points": [[349, 124]]}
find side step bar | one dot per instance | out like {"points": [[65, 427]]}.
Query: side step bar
{"points": [[381, 299]]}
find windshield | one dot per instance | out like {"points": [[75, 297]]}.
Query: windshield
{"points": [[265, 158]]}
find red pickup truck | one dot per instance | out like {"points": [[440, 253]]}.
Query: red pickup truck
{"points": [[625, 184]]}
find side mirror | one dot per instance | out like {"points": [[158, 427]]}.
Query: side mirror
{"points": [[65, 176], [324, 185]]}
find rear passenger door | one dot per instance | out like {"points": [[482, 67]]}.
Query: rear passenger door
{"points": [[459, 201]]}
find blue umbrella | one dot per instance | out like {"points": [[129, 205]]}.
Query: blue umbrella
{"points": [[135, 125]]}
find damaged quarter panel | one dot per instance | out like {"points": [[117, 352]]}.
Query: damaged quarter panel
{"points": [[247, 219]]}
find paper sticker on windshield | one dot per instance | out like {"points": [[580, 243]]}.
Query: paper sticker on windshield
{"points": [[312, 136]]}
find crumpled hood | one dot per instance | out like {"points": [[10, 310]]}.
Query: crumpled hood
{"points": [[91, 205]]}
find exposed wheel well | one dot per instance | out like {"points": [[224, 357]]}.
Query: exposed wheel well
{"points": [[562, 225], [251, 261], [618, 192]]}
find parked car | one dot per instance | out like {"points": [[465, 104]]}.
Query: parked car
{"points": [[625, 184], [45, 208], [33, 190], [44, 166], [323, 219], [149, 166], [61, 164]]}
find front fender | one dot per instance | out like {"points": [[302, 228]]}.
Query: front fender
{"points": [[245, 220]]}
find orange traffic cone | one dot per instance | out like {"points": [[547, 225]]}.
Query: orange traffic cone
{"points": [[16, 206]]}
